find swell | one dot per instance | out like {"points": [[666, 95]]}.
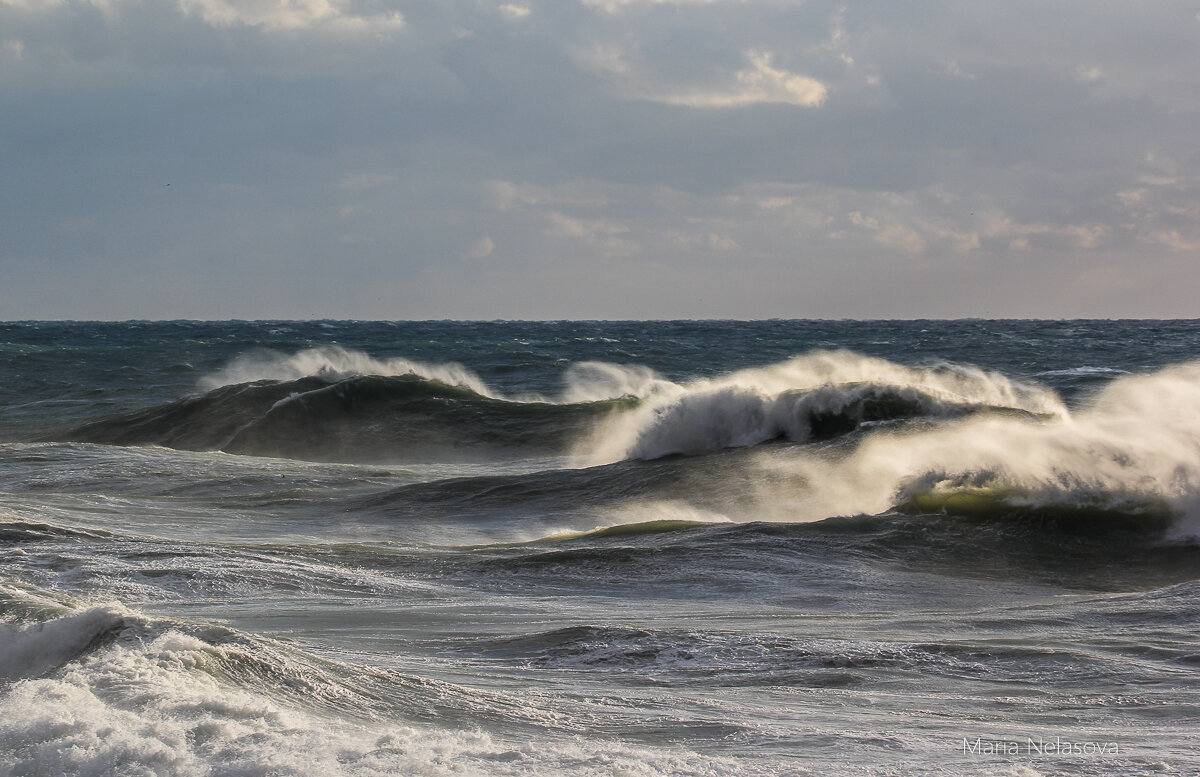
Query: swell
{"points": [[546, 493], [725, 658], [827, 561], [356, 419]]}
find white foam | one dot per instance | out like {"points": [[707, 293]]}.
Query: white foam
{"points": [[160, 708], [30, 650]]}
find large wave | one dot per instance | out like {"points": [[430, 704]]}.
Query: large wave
{"points": [[332, 404], [1134, 449], [815, 396], [928, 438]]}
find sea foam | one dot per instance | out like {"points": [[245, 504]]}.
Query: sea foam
{"points": [[33, 649], [163, 705]]}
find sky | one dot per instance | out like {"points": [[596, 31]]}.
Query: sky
{"points": [[551, 159]]}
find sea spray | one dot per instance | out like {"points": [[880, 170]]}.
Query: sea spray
{"points": [[1136, 442], [333, 363], [789, 399]]}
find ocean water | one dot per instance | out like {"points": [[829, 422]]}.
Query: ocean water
{"points": [[600, 548]]}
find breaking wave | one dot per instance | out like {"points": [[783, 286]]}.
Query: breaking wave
{"points": [[813, 397], [941, 438], [333, 364], [104, 690], [331, 404], [1133, 449]]}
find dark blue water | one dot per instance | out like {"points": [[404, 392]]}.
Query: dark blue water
{"points": [[777, 547]]}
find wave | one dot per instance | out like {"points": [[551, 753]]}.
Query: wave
{"points": [[354, 419], [105, 690], [940, 438], [812, 397], [734, 659], [332, 404], [37, 649], [333, 364], [1086, 510], [15, 531], [822, 560], [1132, 449]]}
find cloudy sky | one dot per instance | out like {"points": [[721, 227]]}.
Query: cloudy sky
{"points": [[598, 159]]}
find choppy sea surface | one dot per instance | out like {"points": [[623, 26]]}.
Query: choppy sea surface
{"points": [[600, 548]]}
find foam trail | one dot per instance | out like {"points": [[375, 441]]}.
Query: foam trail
{"points": [[336, 363], [754, 405], [1136, 442]]}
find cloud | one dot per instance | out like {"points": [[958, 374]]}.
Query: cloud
{"points": [[759, 83], [480, 249], [363, 181], [292, 15], [617, 6], [515, 11], [603, 233], [765, 157]]}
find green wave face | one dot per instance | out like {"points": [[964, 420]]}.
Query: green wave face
{"points": [[1064, 510]]}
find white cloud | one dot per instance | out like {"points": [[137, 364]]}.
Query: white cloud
{"points": [[762, 82], [604, 58], [1173, 239], [363, 181], [1024, 235], [480, 249], [503, 195], [604, 233], [1163, 209], [333, 15], [890, 233], [616, 6], [514, 11], [711, 241], [953, 68]]}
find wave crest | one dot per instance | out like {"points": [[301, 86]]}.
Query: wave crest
{"points": [[1134, 449], [333, 363], [814, 396]]}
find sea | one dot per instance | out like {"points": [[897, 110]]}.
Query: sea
{"points": [[254, 548]]}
